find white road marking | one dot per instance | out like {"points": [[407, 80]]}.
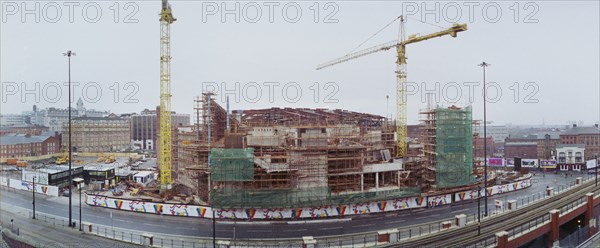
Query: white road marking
{"points": [[295, 230], [330, 228], [460, 210], [395, 222], [260, 231]]}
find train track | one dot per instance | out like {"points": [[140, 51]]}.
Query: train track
{"points": [[464, 236]]}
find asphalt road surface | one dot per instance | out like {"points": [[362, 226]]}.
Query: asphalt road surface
{"points": [[202, 227]]}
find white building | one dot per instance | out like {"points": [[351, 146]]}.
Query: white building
{"points": [[498, 133], [54, 118], [12, 120], [570, 157]]}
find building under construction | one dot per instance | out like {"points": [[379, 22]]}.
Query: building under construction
{"points": [[447, 138], [293, 157], [284, 157]]}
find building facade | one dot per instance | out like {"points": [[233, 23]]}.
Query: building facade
{"points": [[98, 134], [570, 157], [25, 145], [498, 133], [55, 118], [12, 120], [522, 148], [587, 136], [145, 128]]}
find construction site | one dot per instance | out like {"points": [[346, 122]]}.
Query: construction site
{"points": [[292, 157], [299, 157]]}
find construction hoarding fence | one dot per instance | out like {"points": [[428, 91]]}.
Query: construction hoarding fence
{"points": [[454, 147]]}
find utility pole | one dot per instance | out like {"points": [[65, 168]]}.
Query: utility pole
{"points": [[214, 226], [484, 65], [69, 54], [478, 209], [33, 203]]}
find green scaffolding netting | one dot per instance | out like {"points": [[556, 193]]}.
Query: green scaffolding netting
{"points": [[233, 170], [454, 147], [235, 165]]}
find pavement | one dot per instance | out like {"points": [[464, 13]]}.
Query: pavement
{"points": [[40, 234], [203, 227]]}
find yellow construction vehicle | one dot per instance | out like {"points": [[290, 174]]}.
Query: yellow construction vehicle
{"points": [[62, 160], [110, 159], [101, 158]]}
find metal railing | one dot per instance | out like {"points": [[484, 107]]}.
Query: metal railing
{"points": [[364, 239]]}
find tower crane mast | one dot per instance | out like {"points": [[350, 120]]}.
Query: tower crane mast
{"points": [[165, 162], [400, 46]]}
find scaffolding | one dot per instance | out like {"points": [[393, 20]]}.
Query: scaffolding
{"points": [[447, 136], [273, 158]]}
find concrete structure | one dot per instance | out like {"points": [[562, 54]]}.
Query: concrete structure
{"points": [[98, 134], [290, 157], [144, 128], [19, 145], [571, 157]]}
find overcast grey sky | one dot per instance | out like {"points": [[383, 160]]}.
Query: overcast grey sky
{"points": [[544, 56]]}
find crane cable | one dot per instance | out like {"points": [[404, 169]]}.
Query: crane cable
{"points": [[376, 33], [426, 22]]}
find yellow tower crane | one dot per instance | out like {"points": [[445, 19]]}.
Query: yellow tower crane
{"points": [[166, 19], [400, 45]]}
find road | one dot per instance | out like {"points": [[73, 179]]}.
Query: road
{"points": [[244, 230], [42, 234]]}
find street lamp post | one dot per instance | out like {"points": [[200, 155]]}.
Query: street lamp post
{"points": [[78, 182], [33, 193], [69, 54], [478, 209], [484, 65]]}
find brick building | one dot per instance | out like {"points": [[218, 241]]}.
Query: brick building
{"points": [[478, 146], [523, 148], [587, 136], [25, 145]]}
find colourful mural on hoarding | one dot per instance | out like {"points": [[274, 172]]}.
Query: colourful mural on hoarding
{"points": [[39, 188], [297, 213]]}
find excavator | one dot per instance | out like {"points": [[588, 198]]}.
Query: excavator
{"points": [[63, 159]]}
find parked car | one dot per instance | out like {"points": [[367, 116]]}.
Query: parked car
{"points": [[66, 193]]}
